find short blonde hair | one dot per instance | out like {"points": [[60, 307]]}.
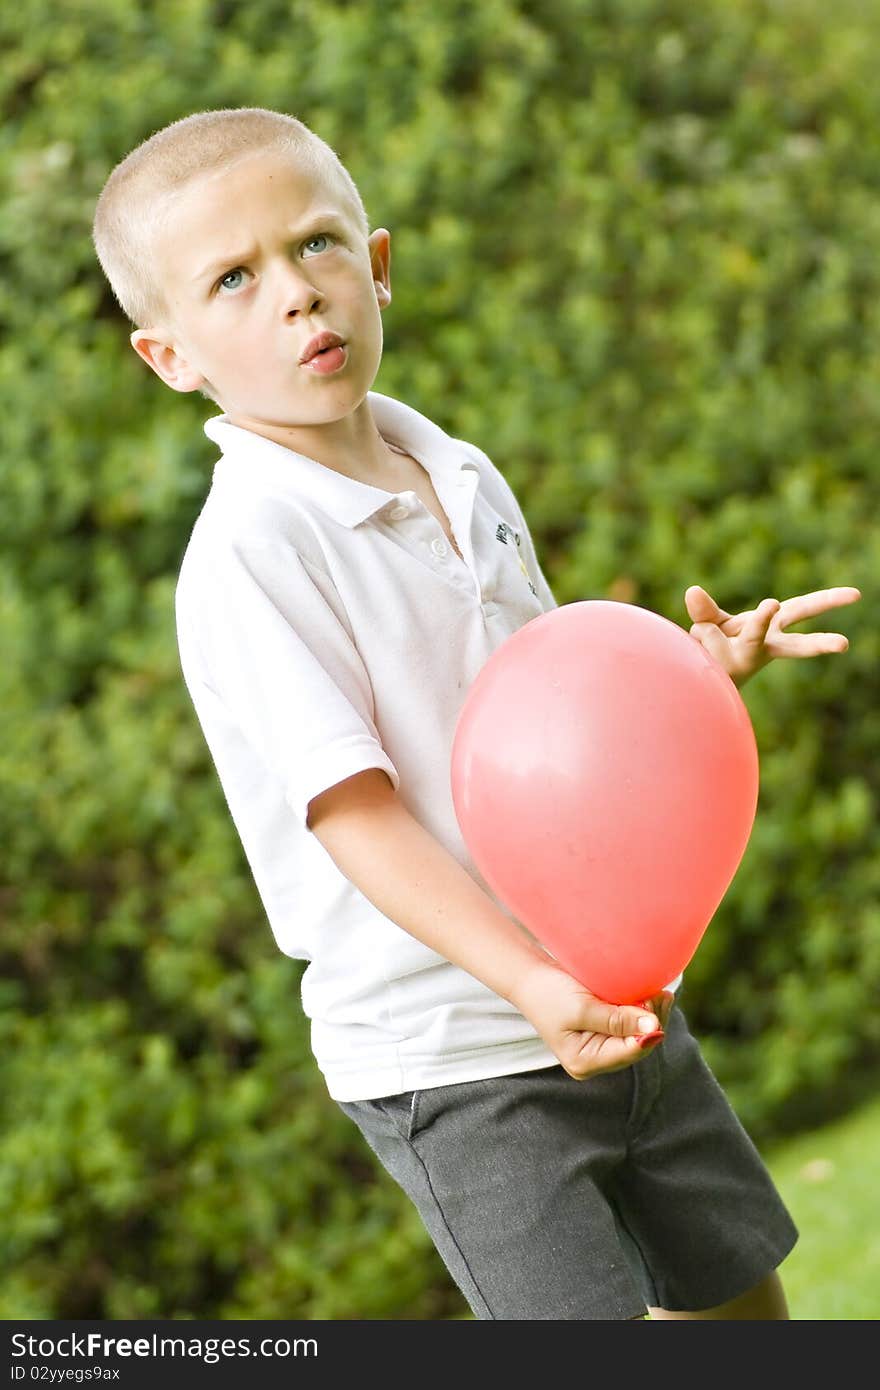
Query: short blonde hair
{"points": [[138, 192]]}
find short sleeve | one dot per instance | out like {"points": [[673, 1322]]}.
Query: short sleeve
{"points": [[263, 643]]}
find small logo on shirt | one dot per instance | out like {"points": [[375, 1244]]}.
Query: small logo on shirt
{"points": [[503, 531]]}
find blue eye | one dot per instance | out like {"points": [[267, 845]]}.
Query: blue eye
{"points": [[319, 236], [221, 283]]}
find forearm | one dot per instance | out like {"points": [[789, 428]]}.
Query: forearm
{"points": [[414, 880]]}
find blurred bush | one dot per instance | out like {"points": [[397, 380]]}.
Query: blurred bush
{"points": [[635, 259]]}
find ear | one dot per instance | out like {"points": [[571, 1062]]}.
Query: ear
{"points": [[379, 243], [165, 360]]}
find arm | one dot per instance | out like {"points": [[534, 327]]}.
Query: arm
{"points": [[413, 880]]}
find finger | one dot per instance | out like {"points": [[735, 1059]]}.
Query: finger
{"points": [[757, 624], [800, 644], [701, 607], [599, 1054], [795, 610]]}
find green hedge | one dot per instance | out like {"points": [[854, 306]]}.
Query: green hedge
{"points": [[635, 258]]}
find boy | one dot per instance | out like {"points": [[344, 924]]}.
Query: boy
{"points": [[351, 570]]}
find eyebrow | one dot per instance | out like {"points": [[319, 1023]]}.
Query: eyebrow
{"points": [[324, 219]]}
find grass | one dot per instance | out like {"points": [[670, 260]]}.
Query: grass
{"points": [[828, 1178]]}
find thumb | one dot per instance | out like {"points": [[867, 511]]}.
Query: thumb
{"points": [[662, 1005], [619, 1020], [701, 607], [711, 638]]}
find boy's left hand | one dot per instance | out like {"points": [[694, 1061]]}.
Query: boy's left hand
{"points": [[745, 642]]}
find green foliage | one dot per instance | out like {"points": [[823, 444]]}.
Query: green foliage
{"points": [[635, 259]]}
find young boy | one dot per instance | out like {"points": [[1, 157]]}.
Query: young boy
{"points": [[350, 572]]}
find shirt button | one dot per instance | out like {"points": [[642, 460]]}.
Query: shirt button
{"points": [[439, 547], [398, 513]]}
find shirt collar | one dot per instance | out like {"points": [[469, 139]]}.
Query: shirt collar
{"points": [[261, 464]]}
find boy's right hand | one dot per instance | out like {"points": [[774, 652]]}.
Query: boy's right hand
{"points": [[588, 1035]]}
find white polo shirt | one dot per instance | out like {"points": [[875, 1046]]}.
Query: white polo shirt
{"points": [[325, 627]]}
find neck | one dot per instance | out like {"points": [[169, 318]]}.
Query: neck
{"points": [[351, 445]]}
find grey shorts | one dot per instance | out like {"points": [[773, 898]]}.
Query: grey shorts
{"points": [[552, 1198]]}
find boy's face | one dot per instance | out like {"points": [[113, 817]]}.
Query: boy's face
{"points": [[254, 261]]}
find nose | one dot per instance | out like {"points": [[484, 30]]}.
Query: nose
{"points": [[297, 294]]}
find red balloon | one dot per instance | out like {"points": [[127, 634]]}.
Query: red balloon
{"points": [[605, 779]]}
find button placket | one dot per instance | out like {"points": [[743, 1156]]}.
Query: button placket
{"points": [[420, 537], [456, 497]]}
